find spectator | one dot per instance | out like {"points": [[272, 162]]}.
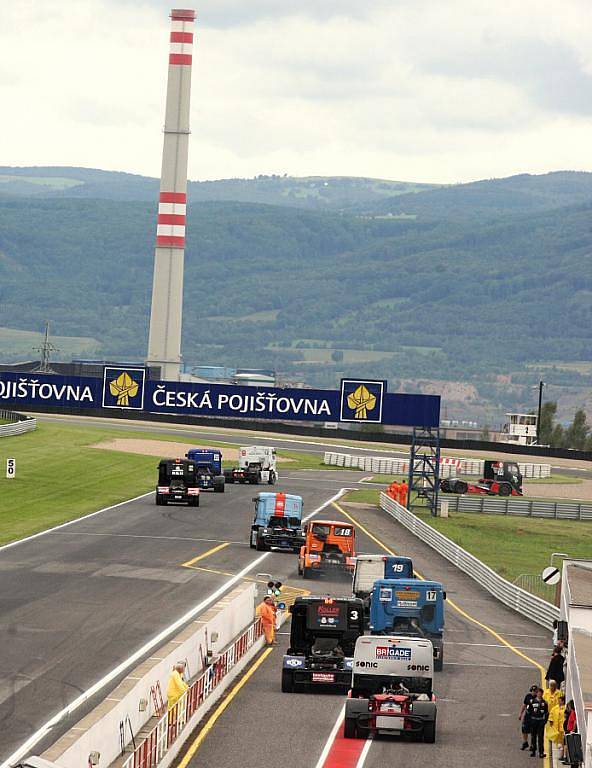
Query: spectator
{"points": [[555, 668], [570, 726], [177, 685], [554, 731], [555, 632], [538, 714], [266, 611], [525, 728], [552, 694]]}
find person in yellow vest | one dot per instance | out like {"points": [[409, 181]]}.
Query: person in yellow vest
{"points": [[551, 694], [554, 729], [177, 685]]}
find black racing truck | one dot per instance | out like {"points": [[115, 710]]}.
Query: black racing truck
{"points": [[178, 482], [500, 478], [322, 640]]}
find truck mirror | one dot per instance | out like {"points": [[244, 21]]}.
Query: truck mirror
{"points": [[255, 498], [444, 595]]}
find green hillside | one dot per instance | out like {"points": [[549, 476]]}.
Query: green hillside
{"points": [[491, 299]]}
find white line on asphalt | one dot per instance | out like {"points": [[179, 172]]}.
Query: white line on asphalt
{"points": [[331, 739], [72, 522], [137, 655], [365, 750], [142, 536], [498, 645], [506, 634]]}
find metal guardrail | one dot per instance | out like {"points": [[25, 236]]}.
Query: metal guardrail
{"points": [[532, 582], [509, 594], [18, 425], [150, 752], [557, 510]]}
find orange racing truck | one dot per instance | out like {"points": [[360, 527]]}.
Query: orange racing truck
{"points": [[328, 546]]}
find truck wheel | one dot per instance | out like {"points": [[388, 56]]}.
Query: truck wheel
{"points": [[272, 478], [230, 480], [350, 728], [429, 732], [287, 681], [219, 486], [504, 489], [194, 501], [307, 573], [160, 502], [460, 487], [260, 546]]}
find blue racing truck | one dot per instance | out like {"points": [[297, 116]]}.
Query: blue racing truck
{"points": [[410, 607], [278, 522], [208, 462], [369, 568]]}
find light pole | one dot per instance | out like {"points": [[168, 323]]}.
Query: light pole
{"points": [[538, 424]]}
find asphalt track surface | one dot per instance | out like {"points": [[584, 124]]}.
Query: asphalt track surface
{"points": [[77, 601], [479, 691]]}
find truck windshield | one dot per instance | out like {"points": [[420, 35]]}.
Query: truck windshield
{"points": [[283, 522]]}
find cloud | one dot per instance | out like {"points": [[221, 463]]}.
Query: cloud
{"points": [[405, 89]]}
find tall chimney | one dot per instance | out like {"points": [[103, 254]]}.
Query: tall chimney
{"points": [[164, 342]]}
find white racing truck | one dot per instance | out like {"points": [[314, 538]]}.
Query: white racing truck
{"points": [[392, 689], [256, 464]]}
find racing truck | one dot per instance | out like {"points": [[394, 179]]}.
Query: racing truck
{"points": [[391, 690], [177, 482], [369, 568], [500, 478], [256, 464], [323, 634], [410, 607], [278, 522], [328, 547], [209, 468]]}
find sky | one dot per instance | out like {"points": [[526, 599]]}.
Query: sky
{"points": [[414, 90]]}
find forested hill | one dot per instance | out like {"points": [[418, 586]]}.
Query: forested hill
{"points": [[319, 295]]}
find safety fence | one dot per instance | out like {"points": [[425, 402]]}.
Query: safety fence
{"points": [[557, 510], [449, 466], [533, 582], [152, 750], [17, 424], [509, 594]]}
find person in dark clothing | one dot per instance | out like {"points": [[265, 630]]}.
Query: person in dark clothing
{"points": [[538, 714], [524, 717], [555, 668]]}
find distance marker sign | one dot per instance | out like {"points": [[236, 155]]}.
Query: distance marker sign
{"points": [[10, 468], [551, 575]]}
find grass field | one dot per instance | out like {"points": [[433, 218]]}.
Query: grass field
{"points": [[60, 477], [512, 546], [14, 341]]}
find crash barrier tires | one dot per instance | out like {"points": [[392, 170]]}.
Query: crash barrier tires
{"points": [[449, 467], [18, 423], [531, 606], [520, 507], [151, 752]]}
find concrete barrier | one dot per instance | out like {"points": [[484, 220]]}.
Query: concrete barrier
{"points": [[99, 731]]}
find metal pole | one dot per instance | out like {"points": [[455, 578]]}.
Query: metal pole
{"points": [[538, 426]]}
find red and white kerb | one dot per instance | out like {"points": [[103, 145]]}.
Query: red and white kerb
{"points": [[170, 230], [181, 49]]}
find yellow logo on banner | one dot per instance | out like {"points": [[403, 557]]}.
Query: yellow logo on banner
{"points": [[361, 401], [123, 387]]}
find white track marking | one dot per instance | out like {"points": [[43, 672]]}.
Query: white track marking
{"points": [[497, 645], [331, 739], [142, 536], [365, 750], [157, 640], [72, 522]]}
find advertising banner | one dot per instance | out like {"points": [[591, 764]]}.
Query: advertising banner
{"points": [[357, 401]]}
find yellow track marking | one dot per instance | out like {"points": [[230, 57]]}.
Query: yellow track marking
{"points": [[211, 721], [211, 551], [453, 605]]}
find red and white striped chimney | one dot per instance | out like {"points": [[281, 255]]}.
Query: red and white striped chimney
{"points": [[164, 344]]}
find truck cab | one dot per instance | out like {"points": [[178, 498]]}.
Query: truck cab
{"points": [[370, 568], [256, 464], [323, 634], [328, 546], [391, 690], [177, 482], [278, 522], [410, 607], [209, 468], [500, 478]]}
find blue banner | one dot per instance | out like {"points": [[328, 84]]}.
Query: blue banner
{"points": [[358, 401]]}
